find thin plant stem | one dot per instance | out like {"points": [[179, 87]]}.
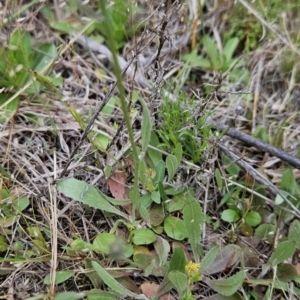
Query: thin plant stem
{"points": [[118, 73]]}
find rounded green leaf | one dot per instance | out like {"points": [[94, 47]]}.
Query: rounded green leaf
{"points": [[22, 203], [175, 228], [61, 276], [265, 232], [228, 286], [103, 242], [113, 245], [143, 236], [230, 215], [3, 243], [252, 218]]}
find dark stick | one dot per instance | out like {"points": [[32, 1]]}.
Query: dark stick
{"points": [[247, 139]]}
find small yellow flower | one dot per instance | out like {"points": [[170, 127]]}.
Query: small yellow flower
{"points": [[193, 271], [192, 268]]}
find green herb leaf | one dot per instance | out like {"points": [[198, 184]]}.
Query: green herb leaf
{"points": [[82, 192], [265, 232], [209, 258], [228, 286], [283, 251], [61, 276], [68, 296], [294, 233], [230, 215], [146, 126], [175, 228], [113, 284], [252, 218], [179, 280], [172, 165], [193, 219], [143, 236]]}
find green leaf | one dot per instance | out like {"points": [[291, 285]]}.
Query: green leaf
{"points": [[178, 152], [235, 296], [175, 228], [176, 203], [179, 280], [230, 215], [172, 165], [92, 274], [252, 218], [143, 173], [265, 232], [99, 140], [44, 56], [145, 261], [155, 197], [3, 244], [283, 251], [82, 192], [113, 284], [144, 214], [21, 204], [104, 241], [68, 296], [212, 51], [294, 233], [22, 41], [143, 236], [113, 245], [162, 249], [228, 286], [45, 81], [9, 109], [193, 59], [209, 258], [154, 155], [61, 276], [232, 168], [193, 219], [288, 183], [96, 294], [162, 191], [218, 176], [229, 48], [160, 172], [25, 48], [156, 214], [177, 263], [269, 282], [146, 125]]}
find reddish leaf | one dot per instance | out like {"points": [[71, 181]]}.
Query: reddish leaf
{"points": [[117, 185], [149, 288], [227, 257]]}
